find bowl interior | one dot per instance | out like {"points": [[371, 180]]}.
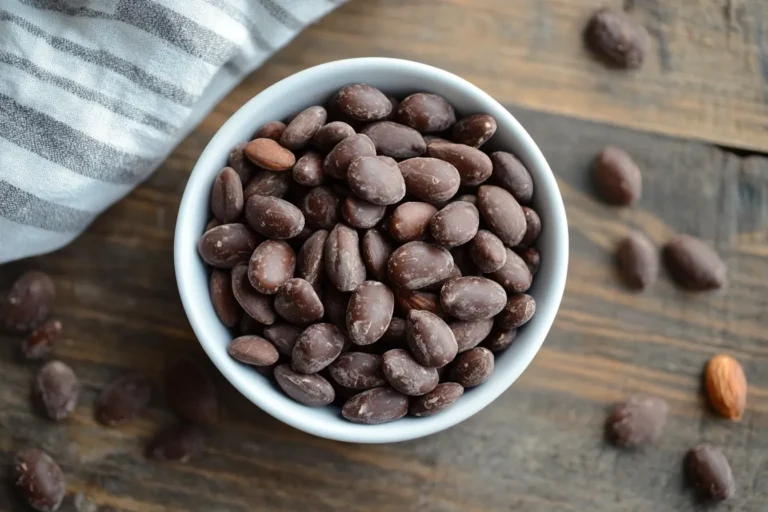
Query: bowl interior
{"points": [[314, 86]]}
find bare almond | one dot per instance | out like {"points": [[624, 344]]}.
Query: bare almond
{"points": [[726, 386], [269, 155]]}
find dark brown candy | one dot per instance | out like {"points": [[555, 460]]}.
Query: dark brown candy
{"points": [[473, 367], [376, 406], [357, 370], [463, 261], [227, 245], [273, 217], [406, 375], [320, 207], [518, 310], [361, 214], [532, 227], [238, 161], [40, 343], [709, 472], [56, 390], [407, 300], [271, 130], [211, 224], [269, 155], [376, 252], [331, 134], [124, 399], [514, 275], [283, 337], [436, 287], [469, 334], [500, 339], [190, 392], [531, 257], [511, 174], [303, 128], [456, 224], [343, 262], [418, 264], [362, 102], [369, 312], [395, 140], [308, 170], [638, 421], [431, 341], [502, 213], [338, 160], [487, 251], [28, 303], [638, 260], [694, 264], [297, 302], [474, 130], [39, 480], [472, 298], [257, 305], [310, 264], [430, 179], [224, 302], [335, 303], [410, 221], [616, 177], [317, 347], [426, 113], [617, 39], [253, 350], [267, 183], [473, 165], [272, 264], [439, 399], [395, 332], [309, 390], [227, 196], [376, 180], [179, 443]]}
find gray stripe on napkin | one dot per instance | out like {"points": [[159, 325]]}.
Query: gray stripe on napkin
{"points": [[106, 60], [24, 208], [68, 147], [119, 107]]}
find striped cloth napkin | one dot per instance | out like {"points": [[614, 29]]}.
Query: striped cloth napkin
{"points": [[95, 94]]}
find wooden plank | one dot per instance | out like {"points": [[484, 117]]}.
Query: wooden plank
{"points": [[538, 447], [706, 77]]}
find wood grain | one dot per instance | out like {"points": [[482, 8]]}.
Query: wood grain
{"points": [[705, 78], [539, 447]]}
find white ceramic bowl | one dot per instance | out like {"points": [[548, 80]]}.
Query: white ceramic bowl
{"points": [[313, 87]]}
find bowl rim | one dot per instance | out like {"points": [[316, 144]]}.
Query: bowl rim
{"points": [[185, 254]]}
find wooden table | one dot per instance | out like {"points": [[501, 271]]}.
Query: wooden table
{"points": [[540, 446]]}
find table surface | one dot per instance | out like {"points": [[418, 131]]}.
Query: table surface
{"points": [[540, 446]]}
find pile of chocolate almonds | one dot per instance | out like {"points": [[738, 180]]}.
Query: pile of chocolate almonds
{"points": [[370, 252]]}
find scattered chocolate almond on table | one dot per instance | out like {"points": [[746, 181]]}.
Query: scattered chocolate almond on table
{"points": [[28, 303], [41, 341], [39, 481], [709, 472], [616, 177], [638, 421], [726, 386], [638, 260], [56, 390], [618, 39], [124, 399], [694, 264]]}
